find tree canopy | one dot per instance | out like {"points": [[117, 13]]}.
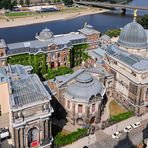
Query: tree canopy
{"points": [[113, 32], [68, 2], [143, 21], [7, 4]]}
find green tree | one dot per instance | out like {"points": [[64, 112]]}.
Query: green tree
{"points": [[27, 2], [143, 21], [21, 2], [113, 32], [68, 2], [7, 4]]}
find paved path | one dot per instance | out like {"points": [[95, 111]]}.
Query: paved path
{"points": [[86, 141], [103, 139]]}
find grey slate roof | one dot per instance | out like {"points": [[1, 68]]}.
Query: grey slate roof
{"points": [[88, 30], [84, 87], [97, 54], [105, 37], [2, 43], [27, 91], [3, 77], [133, 35], [134, 61], [63, 40], [25, 88]]}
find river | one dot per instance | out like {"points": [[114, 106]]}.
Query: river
{"points": [[101, 22]]}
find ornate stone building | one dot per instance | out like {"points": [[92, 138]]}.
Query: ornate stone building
{"points": [[26, 107], [56, 48], [127, 60], [82, 94], [92, 36]]}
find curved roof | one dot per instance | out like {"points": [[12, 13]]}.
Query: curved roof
{"points": [[85, 87], [133, 35], [45, 35], [105, 37]]}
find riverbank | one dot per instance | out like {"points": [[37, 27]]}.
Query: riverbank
{"points": [[4, 23]]}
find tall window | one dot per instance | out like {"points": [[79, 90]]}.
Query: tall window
{"points": [[146, 95], [80, 108], [93, 107], [68, 104], [0, 111]]}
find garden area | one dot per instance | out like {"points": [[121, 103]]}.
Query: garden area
{"points": [[52, 73], [65, 139], [118, 113]]}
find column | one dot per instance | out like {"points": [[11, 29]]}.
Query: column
{"points": [[46, 129], [16, 137], [50, 129], [22, 137], [41, 134]]}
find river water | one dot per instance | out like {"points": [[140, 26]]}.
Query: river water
{"points": [[101, 22]]}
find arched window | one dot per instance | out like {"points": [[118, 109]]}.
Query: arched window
{"points": [[33, 137], [2, 54], [146, 95]]}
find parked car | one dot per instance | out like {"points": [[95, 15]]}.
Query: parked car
{"points": [[116, 135], [128, 129], [4, 133], [135, 125]]}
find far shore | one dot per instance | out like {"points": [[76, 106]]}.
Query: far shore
{"points": [[47, 18]]}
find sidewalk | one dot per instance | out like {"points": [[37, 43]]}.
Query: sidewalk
{"points": [[86, 141], [121, 125]]}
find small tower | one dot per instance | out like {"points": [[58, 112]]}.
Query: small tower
{"points": [[2, 52]]}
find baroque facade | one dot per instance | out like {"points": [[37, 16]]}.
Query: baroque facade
{"points": [[25, 107], [82, 94], [127, 60], [56, 48]]}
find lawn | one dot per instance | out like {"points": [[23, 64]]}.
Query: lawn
{"points": [[115, 108], [20, 14]]}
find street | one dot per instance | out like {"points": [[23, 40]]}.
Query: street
{"points": [[126, 140]]}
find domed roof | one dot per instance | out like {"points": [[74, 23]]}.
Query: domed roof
{"points": [[45, 35], [133, 35], [85, 87]]}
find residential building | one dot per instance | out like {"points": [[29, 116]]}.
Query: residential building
{"points": [[25, 107]]}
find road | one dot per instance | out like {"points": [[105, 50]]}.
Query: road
{"points": [[126, 140]]}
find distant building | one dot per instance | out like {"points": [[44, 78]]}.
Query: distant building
{"points": [[82, 94], [25, 107], [127, 60], [56, 49], [92, 36]]}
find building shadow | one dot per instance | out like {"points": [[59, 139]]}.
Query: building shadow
{"points": [[145, 132], [5, 144], [58, 117], [125, 143]]}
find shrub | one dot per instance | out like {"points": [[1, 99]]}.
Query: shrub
{"points": [[61, 140], [121, 116], [52, 73]]}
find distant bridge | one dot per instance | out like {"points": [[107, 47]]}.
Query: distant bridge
{"points": [[111, 6]]}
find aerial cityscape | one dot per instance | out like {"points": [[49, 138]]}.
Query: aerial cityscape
{"points": [[73, 73]]}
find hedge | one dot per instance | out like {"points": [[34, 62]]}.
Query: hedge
{"points": [[122, 116], [52, 73], [61, 140]]}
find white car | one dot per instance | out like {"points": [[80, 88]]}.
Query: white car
{"points": [[128, 129], [116, 135], [137, 124]]}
